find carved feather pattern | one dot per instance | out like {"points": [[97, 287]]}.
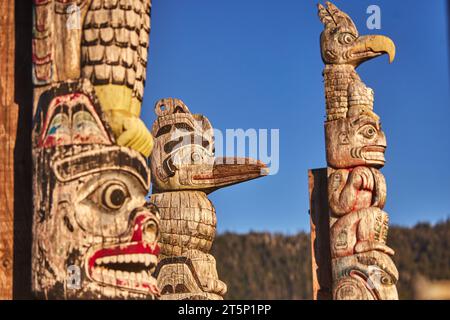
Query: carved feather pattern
{"points": [[115, 43], [332, 17], [42, 42]]}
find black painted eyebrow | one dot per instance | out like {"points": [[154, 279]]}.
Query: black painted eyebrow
{"points": [[178, 143], [163, 130]]}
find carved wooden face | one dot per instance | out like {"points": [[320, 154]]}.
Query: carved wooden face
{"points": [[94, 233], [355, 141], [368, 276], [94, 220], [184, 146], [183, 156]]}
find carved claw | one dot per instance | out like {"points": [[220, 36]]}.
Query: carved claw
{"points": [[362, 178], [215, 286], [360, 231], [135, 135], [370, 245]]}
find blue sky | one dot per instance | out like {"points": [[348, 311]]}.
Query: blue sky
{"points": [[256, 64]]}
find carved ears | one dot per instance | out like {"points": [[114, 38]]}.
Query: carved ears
{"points": [[168, 106]]}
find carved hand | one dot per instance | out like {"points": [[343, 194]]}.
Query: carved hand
{"points": [[134, 134], [351, 190]]}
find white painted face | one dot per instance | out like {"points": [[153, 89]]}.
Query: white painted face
{"points": [[99, 237]]}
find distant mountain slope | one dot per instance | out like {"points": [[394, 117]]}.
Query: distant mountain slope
{"points": [[275, 266]]}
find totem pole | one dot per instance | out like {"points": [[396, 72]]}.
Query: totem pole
{"points": [[184, 171], [94, 234], [361, 264]]}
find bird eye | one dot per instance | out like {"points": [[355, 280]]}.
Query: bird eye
{"points": [[346, 38]]}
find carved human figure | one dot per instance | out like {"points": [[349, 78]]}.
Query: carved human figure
{"points": [[355, 146], [184, 171], [94, 233]]}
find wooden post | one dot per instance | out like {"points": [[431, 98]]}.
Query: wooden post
{"points": [[320, 234], [8, 126]]}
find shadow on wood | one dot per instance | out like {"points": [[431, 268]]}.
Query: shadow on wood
{"points": [[320, 234], [23, 210]]}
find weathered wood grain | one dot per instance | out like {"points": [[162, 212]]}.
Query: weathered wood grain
{"points": [[8, 128], [320, 234], [184, 170], [361, 262], [95, 236]]}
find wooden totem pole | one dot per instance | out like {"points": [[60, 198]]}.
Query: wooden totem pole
{"points": [[361, 265], [184, 171], [94, 234]]}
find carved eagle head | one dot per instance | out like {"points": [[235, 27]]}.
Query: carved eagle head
{"points": [[341, 43]]}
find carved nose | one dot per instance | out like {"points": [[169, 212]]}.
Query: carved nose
{"points": [[150, 231], [146, 228]]}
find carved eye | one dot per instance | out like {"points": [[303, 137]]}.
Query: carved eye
{"points": [[369, 131], [114, 196], [111, 196], [196, 157], [346, 38], [386, 280]]}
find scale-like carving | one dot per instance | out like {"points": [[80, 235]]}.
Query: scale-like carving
{"points": [[106, 42], [355, 146], [184, 170], [95, 235]]}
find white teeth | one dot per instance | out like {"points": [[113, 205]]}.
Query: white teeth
{"points": [[147, 260], [132, 276], [104, 273], [125, 275], [139, 277], [119, 274], [98, 272]]}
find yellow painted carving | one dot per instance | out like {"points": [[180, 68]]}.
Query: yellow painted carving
{"points": [[376, 44], [122, 111]]}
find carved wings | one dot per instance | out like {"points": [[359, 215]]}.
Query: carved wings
{"points": [[115, 43]]}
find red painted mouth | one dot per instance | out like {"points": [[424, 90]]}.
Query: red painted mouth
{"points": [[127, 266]]}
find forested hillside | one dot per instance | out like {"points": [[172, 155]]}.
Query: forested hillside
{"points": [[275, 266]]}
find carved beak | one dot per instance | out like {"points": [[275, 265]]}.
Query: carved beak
{"points": [[372, 46], [228, 171]]}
